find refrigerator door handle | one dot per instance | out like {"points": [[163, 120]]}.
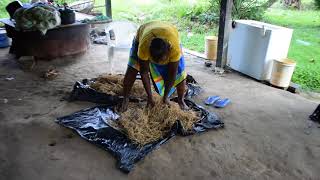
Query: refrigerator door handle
{"points": [[263, 31]]}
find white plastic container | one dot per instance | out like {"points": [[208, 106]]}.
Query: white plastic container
{"points": [[282, 72], [124, 32], [253, 45]]}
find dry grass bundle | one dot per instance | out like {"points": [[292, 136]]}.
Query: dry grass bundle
{"points": [[145, 125], [113, 85]]}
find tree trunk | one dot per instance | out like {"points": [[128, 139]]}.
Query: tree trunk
{"points": [[293, 3]]}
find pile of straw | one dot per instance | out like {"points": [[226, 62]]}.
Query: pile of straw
{"points": [[145, 125], [113, 85]]}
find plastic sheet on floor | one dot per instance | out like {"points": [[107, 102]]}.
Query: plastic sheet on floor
{"points": [[95, 125]]}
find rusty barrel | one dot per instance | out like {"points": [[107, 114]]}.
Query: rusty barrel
{"points": [[58, 42]]}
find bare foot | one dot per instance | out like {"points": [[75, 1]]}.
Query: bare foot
{"points": [[183, 105], [151, 103]]}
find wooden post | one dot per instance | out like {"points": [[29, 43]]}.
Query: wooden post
{"points": [[224, 29], [108, 8]]}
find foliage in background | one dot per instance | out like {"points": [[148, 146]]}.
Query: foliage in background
{"points": [[317, 3], [242, 9], [305, 5], [248, 9], [196, 19], [293, 4], [3, 4], [305, 43], [60, 2]]}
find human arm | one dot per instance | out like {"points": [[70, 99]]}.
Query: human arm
{"points": [[172, 73], [144, 72]]}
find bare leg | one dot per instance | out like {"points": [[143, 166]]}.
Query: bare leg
{"points": [[181, 90]]}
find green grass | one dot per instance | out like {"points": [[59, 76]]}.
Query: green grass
{"points": [[3, 4], [306, 26], [3, 12], [192, 34], [194, 42], [141, 11]]}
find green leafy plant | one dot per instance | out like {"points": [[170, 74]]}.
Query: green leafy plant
{"points": [[317, 4], [61, 2], [248, 9], [244, 9], [208, 18]]}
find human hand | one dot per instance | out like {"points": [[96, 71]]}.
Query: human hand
{"points": [[124, 105], [150, 103]]}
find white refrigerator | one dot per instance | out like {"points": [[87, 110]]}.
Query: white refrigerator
{"points": [[253, 46]]}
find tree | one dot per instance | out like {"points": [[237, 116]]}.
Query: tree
{"points": [[317, 3], [292, 3], [269, 3], [251, 9]]}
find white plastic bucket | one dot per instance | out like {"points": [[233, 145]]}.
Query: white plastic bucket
{"points": [[211, 43], [282, 72]]}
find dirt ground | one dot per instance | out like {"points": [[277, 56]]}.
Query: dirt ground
{"points": [[267, 135]]}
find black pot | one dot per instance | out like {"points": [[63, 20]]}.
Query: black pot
{"points": [[12, 7], [67, 15]]}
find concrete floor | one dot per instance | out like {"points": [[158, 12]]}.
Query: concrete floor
{"points": [[267, 135]]}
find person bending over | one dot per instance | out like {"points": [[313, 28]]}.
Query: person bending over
{"points": [[156, 53]]}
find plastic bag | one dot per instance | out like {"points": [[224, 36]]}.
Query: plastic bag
{"points": [[94, 125], [315, 116], [83, 92]]}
